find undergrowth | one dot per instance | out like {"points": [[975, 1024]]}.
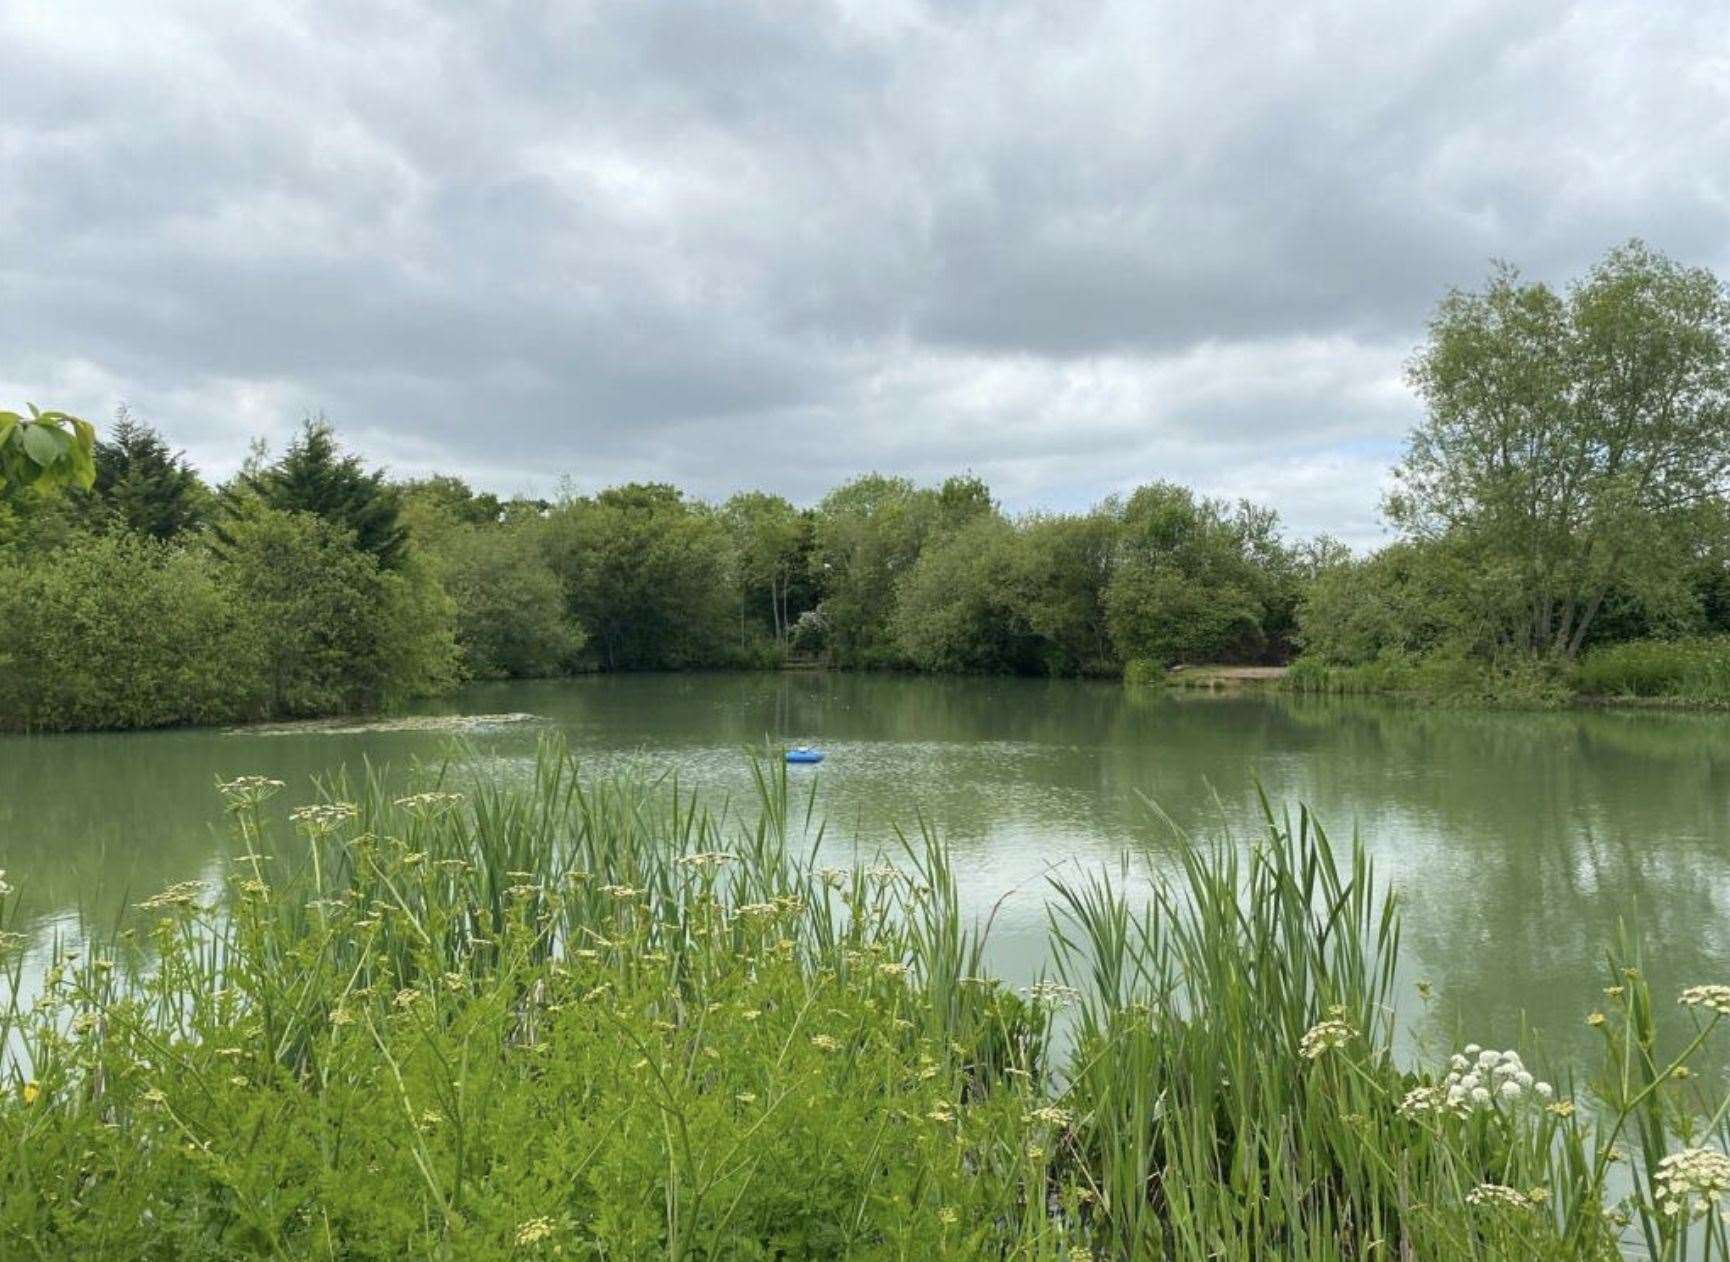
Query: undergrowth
{"points": [[591, 1018]]}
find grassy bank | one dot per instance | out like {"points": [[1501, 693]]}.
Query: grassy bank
{"points": [[1684, 672], [593, 1019]]}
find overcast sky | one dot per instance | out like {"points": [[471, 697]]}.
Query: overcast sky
{"points": [[1069, 245]]}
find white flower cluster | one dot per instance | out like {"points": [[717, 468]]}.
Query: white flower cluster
{"points": [[321, 817], [1324, 1037], [1479, 1076], [1694, 1179], [430, 803], [1503, 1195], [1052, 994], [1713, 998], [249, 787], [706, 859]]}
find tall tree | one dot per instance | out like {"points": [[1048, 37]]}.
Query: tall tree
{"points": [[1570, 437], [648, 574], [312, 476], [141, 486], [771, 539]]}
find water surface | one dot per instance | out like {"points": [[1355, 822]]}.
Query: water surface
{"points": [[1516, 840]]}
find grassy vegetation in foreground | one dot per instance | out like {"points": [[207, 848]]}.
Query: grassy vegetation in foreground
{"points": [[592, 1019]]}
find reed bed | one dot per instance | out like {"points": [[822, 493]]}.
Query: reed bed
{"points": [[593, 1018]]}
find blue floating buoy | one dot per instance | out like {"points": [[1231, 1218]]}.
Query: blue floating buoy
{"points": [[804, 753]]}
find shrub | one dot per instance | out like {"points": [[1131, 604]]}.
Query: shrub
{"points": [[120, 632], [334, 631], [1691, 669]]}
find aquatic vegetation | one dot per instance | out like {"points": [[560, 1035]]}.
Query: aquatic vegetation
{"points": [[589, 1018]]}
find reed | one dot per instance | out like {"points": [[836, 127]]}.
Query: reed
{"points": [[594, 1017]]}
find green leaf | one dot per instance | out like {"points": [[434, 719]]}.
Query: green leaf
{"points": [[46, 444], [9, 421]]}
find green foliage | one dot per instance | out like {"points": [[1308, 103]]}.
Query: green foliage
{"points": [[1694, 670], [511, 620], [588, 1019], [1195, 581], [772, 543], [45, 451], [1066, 566], [962, 606], [648, 574], [313, 477], [1139, 672], [1569, 440], [337, 632], [123, 631], [142, 486], [868, 536]]}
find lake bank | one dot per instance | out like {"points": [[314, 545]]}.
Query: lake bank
{"points": [[566, 1015]]}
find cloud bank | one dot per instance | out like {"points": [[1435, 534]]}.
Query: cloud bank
{"points": [[1071, 247]]}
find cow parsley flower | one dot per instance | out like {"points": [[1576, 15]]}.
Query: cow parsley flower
{"points": [[1324, 1037], [1692, 1181], [1712, 998]]}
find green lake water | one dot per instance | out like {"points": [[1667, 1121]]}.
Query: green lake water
{"points": [[1516, 840]]}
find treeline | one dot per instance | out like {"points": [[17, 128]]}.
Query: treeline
{"points": [[310, 585], [1564, 495], [1564, 498]]}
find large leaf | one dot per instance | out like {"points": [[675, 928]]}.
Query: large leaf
{"points": [[46, 444]]}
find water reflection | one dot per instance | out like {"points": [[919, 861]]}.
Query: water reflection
{"points": [[1516, 840]]}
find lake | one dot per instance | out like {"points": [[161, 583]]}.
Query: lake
{"points": [[1516, 840]]}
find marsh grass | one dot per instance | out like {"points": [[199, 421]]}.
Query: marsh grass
{"points": [[592, 1018], [1691, 671]]}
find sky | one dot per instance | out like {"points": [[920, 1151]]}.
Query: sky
{"points": [[1069, 245]]}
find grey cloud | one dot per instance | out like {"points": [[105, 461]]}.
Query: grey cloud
{"points": [[748, 243]]}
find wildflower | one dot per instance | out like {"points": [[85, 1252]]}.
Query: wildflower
{"points": [[620, 892], [239, 1080], [431, 1117], [832, 878], [406, 997], [1080, 1253], [1561, 1108], [1322, 1038], [10, 942], [341, 1016], [534, 1231], [1479, 1076], [1498, 1194], [706, 859], [1421, 1100], [524, 891], [746, 1097], [1713, 998], [825, 1042], [1595, 1020], [249, 788], [6, 887], [182, 895], [758, 911], [429, 803], [154, 1096], [892, 969], [322, 817], [947, 1216], [30, 1092], [941, 1114], [1695, 1180], [1050, 1115], [1051, 994]]}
